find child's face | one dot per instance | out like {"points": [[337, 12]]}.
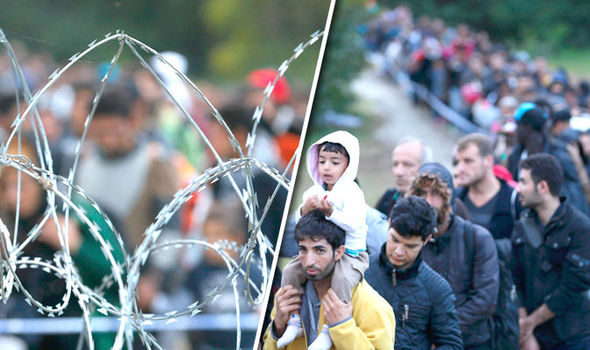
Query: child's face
{"points": [[331, 166]]}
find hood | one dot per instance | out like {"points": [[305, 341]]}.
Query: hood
{"points": [[350, 143], [443, 173]]}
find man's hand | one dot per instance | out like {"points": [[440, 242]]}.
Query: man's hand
{"points": [[574, 151], [526, 326], [310, 204], [335, 310], [50, 237], [288, 301], [530, 343]]}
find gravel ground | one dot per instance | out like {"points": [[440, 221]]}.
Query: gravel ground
{"points": [[397, 117]]}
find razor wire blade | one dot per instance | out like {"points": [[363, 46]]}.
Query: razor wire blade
{"points": [[125, 275]]}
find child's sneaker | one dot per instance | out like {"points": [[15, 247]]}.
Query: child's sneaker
{"points": [[323, 341], [294, 330]]}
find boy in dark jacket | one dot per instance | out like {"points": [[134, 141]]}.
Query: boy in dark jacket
{"points": [[422, 300]]}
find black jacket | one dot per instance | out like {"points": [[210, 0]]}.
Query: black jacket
{"points": [[388, 200], [506, 211], [473, 275], [423, 303], [557, 272]]}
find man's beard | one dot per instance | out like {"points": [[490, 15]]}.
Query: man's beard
{"points": [[531, 201], [476, 180], [323, 273], [442, 214]]}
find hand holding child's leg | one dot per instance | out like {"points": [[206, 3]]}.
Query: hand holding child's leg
{"points": [[287, 302], [292, 279]]}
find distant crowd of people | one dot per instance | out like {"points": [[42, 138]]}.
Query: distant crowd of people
{"points": [[140, 149], [491, 254], [464, 259]]}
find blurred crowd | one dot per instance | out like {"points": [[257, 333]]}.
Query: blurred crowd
{"points": [[481, 80], [140, 148]]}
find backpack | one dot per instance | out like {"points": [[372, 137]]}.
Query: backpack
{"points": [[504, 322]]}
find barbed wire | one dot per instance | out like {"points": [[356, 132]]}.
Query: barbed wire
{"points": [[124, 275]]}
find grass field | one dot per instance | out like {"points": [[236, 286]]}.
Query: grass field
{"points": [[575, 60]]}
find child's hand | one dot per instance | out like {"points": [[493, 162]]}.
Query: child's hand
{"points": [[326, 207], [335, 310], [313, 202]]}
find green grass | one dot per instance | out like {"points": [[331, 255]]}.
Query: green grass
{"points": [[576, 61]]}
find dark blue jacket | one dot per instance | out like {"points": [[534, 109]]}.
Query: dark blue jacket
{"points": [[423, 303], [556, 272]]}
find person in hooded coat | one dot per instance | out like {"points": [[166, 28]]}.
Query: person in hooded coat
{"points": [[332, 163], [464, 254]]}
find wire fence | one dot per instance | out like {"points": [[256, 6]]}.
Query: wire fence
{"points": [[125, 317]]}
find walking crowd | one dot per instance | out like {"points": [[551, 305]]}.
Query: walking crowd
{"points": [[139, 151], [491, 254]]}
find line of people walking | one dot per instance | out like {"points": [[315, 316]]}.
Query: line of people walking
{"points": [[471, 258]]}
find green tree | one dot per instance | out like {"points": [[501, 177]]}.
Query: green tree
{"points": [[244, 29], [223, 39], [539, 26], [343, 58]]}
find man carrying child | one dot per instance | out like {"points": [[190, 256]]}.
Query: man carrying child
{"points": [[366, 322], [332, 163]]}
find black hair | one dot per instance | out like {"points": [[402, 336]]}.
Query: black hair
{"points": [[413, 216], [563, 115], [536, 118], [85, 85], [545, 167], [333, 147], [7, 101], [115, 100], [236, 117], [314, 225]]}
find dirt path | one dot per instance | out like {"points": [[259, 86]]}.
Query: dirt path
{"points": [[397, 117], [394, 117]]}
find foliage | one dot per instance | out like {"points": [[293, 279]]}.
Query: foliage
{"points": [[223, 39], [272, 27], [538, 26], [343, 59]]}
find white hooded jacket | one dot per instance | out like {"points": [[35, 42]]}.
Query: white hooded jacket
{"points": [[346, 196]]}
